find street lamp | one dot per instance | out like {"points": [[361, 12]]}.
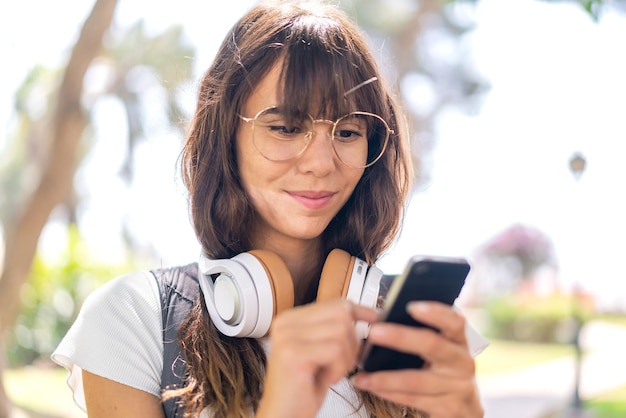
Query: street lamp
{"points": [[577, 164]]}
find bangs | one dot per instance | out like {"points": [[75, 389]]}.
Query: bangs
{"points": [[323, 75]]}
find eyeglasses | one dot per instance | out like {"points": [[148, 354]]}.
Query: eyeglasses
{"points": [[358, 139]]}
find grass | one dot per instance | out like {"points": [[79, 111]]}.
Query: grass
{"points": [[612, 319], [609, 405], [42, 391], [506, 356]]}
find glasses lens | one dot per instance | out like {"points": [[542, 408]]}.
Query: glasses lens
{"points": [[360, 139], [277, 137]]}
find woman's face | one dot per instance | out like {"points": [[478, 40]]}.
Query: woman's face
{"points": [[295, 199]]}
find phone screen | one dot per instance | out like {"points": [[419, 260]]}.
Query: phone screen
{"points": [[425, 278]]}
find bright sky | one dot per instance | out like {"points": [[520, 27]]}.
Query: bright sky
{"points": [[558, 87]]}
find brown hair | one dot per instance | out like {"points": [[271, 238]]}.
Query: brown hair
{"points": [[324, 57]]}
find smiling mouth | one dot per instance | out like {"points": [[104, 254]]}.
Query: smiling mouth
{"points": [[312, 200]]}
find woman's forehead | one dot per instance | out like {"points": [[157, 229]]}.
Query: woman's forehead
{"points": [[265, 93]]}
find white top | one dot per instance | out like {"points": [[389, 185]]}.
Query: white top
{"points": [[118, 335]]}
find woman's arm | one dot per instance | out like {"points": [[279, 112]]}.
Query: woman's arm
{"points": [[106, 398], [118, 335]]}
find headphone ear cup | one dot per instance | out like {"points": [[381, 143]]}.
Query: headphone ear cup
{"points": [[232, 299], [279, 278], [335, 278]]}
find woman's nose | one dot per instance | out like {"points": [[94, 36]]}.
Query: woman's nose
{"points": [[319, 155]]}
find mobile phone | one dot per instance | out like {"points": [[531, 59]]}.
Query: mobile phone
{"points": [[424, 278]]}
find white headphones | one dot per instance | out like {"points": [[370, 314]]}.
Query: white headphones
{"points": [[244, 293]]}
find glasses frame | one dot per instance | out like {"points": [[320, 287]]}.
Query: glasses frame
{"points": [[309, 135]]}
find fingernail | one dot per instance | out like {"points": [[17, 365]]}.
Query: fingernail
{"points": [[361, 381], [417, 306], [377, 331]]}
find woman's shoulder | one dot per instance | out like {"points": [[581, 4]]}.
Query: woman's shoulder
{"points": [[146, 287], [129, 289]]}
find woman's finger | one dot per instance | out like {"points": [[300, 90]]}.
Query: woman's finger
{"points": [[441, 354], [425, 382], [445, 318], [439, 396]]}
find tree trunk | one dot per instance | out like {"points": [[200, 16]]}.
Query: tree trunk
{"points": [[55, 185]]}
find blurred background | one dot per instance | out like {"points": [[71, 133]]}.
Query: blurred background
{"points": [[517, 109]]}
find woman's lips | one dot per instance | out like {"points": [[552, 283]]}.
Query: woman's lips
{"points": [[312, 200]]}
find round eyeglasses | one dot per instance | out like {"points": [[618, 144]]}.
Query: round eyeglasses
{"points": [[358, 139]]}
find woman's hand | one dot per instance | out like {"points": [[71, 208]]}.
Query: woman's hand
{"points": [[312, 347], [445, 387]]}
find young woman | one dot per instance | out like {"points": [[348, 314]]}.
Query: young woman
{"points": [[296, 148]]}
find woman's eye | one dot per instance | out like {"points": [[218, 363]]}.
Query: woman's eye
{"points": [[348, 135], [284, 130]]}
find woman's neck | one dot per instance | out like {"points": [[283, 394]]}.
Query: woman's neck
{"points": [[305, 271], [304, 260]]}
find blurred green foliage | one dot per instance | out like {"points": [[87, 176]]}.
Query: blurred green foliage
{"points": [[556, 318], [52, 297], [506, 356]]}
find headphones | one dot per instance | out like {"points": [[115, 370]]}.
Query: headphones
{"points": [[244, 293]]}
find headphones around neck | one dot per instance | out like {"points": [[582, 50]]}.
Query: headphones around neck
{"points": [[244, 293]]}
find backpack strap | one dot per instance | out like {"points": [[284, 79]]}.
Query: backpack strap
{"points": [[385, 284], [179, 290]]}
